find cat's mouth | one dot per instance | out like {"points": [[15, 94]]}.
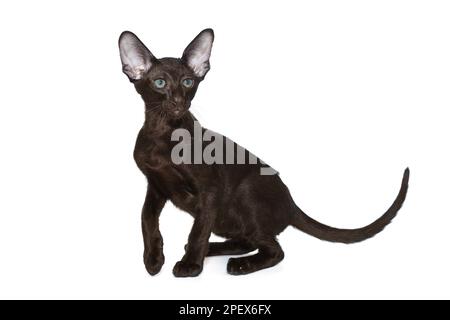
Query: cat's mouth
{"points": [[177, 114], [176, 111]]}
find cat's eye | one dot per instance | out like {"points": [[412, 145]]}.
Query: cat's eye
{"points": [[188, 83], [160, 83]]}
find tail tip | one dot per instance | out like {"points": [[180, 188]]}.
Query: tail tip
{"points": [[406, 174]]}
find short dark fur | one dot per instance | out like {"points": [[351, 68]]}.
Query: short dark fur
{"points": [[233, 201]]}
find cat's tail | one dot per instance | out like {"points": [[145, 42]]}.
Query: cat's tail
{"points": [[316, 229]]}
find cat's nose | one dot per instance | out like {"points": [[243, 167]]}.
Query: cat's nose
{"points": [[178, 100]]}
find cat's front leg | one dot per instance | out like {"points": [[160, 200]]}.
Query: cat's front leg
{"points": [[153, 242], [191, 265]]}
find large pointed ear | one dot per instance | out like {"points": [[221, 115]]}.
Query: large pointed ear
{"points": [[197, 53], [136, 58]]}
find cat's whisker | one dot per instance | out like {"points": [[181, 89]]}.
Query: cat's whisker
{"points": [[152, 109]]}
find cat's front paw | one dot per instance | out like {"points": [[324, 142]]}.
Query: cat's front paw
{"points": [[186, 269], [153, 263]]}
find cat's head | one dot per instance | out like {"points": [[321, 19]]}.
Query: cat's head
{"points": [[167, 85]]}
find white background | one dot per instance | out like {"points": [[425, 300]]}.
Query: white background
{"points": [[339, 96]]}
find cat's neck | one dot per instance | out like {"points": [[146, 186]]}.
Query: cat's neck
{"points": [[158, 125]]}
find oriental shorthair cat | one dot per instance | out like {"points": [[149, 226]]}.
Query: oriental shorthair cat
{"points": [[236, 201]]}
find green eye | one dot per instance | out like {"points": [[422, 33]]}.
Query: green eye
{"points": [[188, 83], [159, 83]]}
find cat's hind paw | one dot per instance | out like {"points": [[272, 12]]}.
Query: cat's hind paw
{"points": [[239, 266]]}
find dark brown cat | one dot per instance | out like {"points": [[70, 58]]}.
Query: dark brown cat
{"points": [[234, 200]]}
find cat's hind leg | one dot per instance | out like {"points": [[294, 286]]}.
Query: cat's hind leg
{"points": [[230, 247], [269, 254]]}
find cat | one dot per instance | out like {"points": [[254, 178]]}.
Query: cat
{"points": [[234, 201]]}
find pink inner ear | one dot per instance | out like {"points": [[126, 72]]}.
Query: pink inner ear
{"points": [[198, 52], [136, 58], [137, 72]]}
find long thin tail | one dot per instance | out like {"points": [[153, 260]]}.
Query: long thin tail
{"points": [[316, 229]]}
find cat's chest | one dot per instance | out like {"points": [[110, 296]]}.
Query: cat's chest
{"points": [[154, 159], [151, 151], [151, 156]]}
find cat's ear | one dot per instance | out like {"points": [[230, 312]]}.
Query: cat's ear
{"points": [[136, 58], [197, 53]]}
